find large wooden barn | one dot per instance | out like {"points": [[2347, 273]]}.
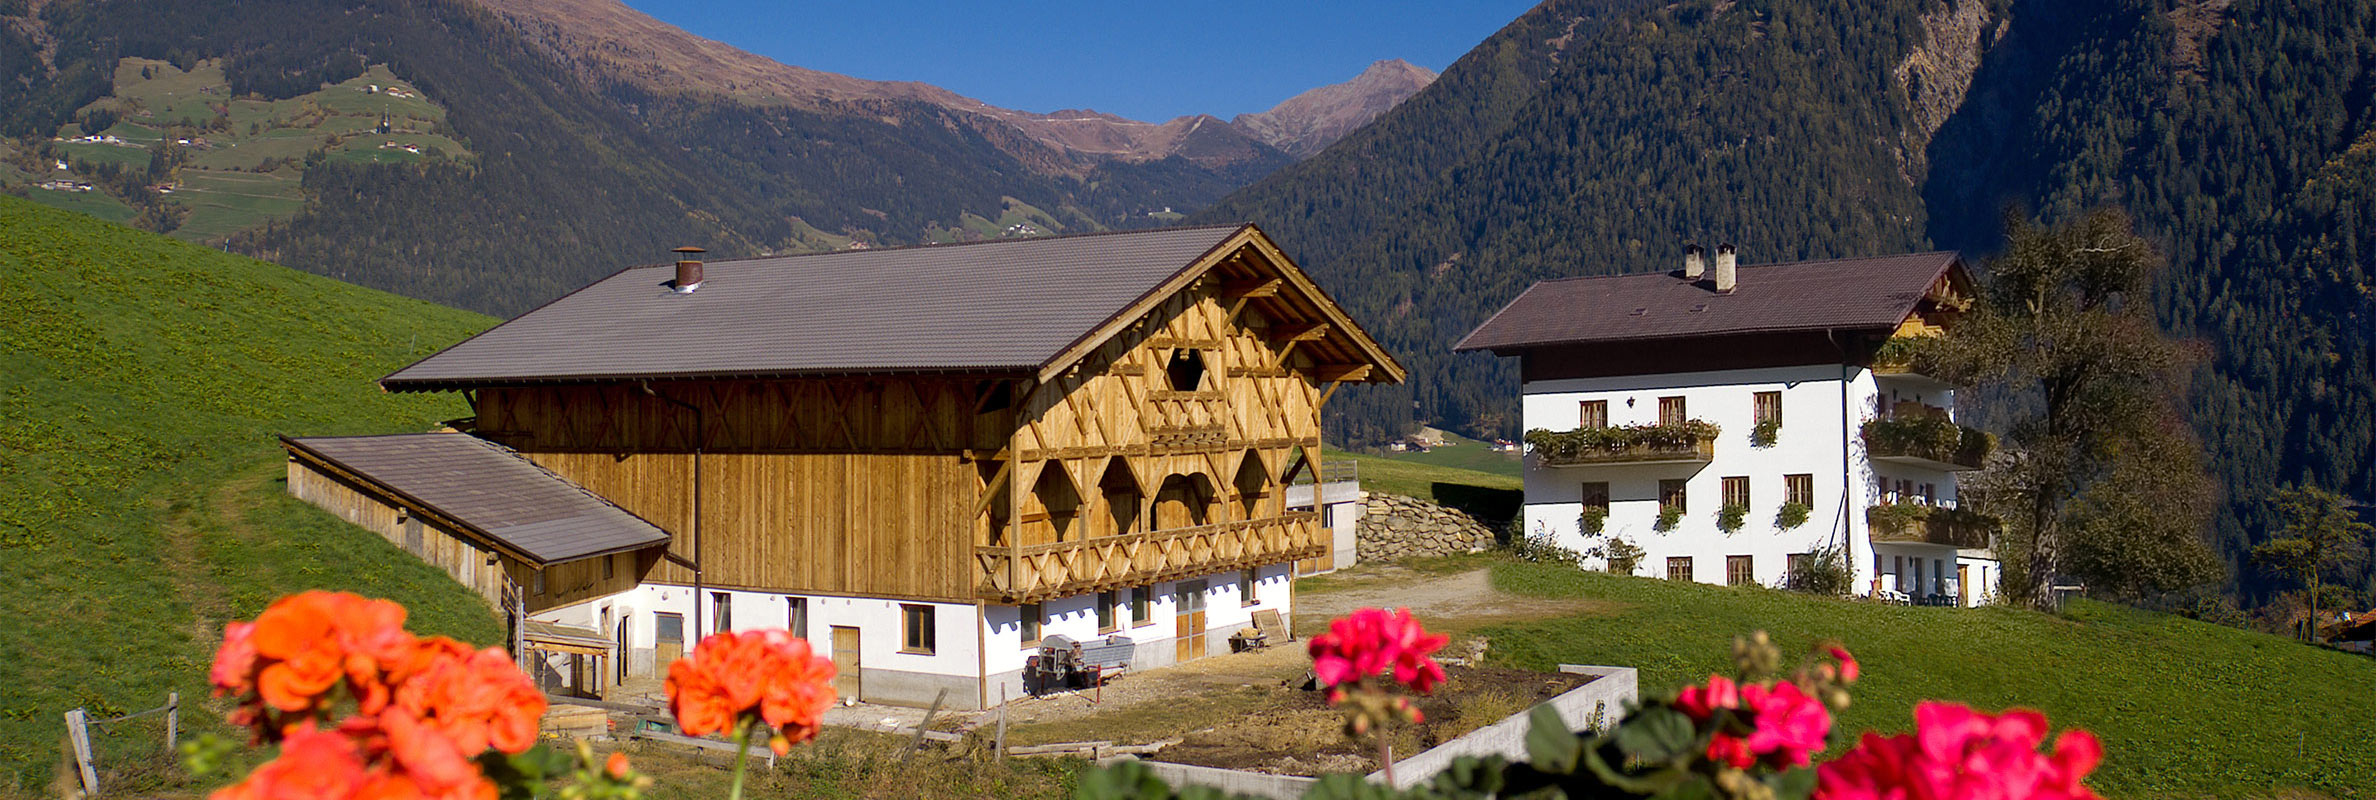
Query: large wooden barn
{"points": [[923, 459]]}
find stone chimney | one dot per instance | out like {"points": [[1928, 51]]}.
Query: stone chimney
{"points": [[1693, 263], [688, 272], [1725, 268]]}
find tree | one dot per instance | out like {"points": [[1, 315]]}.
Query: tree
{"points": [[2320, 533], [2100, 480]]}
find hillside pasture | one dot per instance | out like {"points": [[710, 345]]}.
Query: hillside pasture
{"points": [[141, 383]]}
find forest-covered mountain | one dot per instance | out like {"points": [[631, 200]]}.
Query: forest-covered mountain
{"points": [[1598, 136], [563, 154]]}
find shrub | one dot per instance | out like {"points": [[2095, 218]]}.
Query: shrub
{"points": [[1823, 572], [1592, 520], [1791, 515], [1623, 556], [1730, 517], [1540, 549], [1668, 518]]}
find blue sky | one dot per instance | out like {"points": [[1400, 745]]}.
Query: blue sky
{"points": [[1144, 60]]}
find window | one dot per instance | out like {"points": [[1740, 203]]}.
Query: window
{"points": [[915, 629], [1670, 411], [1671, 496], [668, 627], [796, 616], [1592, 414], [1766, 407], [1185, 371], [1740, 571], [1678, 568], [1736, 491], [724, 603], [1796, 561], [1105, 612], [1142, 605], [536, 582], [1031, 624], [1596, 495], [1246, 585], [412, 535], [1799, 489], [610, 566]]}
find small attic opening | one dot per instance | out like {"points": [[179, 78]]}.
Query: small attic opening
{"points": [[1186, 370]]}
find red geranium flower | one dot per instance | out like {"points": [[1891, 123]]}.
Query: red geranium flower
{"points": [[770, 676]]}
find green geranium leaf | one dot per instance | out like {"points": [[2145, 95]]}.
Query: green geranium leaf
{"points": [[1549, 744], [1656, 734]]}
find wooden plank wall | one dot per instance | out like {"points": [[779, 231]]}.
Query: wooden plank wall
{"points": [[470, 563], [478, 567], [857, 486]]}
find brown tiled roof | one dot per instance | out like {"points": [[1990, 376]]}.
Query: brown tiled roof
{"points": [[492, 492], [1839, 294], [1000, 306]]}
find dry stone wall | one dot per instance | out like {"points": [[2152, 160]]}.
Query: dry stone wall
{"points": [[1394, 527]]}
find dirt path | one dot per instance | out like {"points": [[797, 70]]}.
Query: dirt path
{"points": [[1453, 602]]}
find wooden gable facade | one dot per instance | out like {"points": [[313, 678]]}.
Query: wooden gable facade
{"points": [[1157, 446]]}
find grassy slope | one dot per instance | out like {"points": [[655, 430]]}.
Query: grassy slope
{"points": [[141, 382], [2184, 708]]}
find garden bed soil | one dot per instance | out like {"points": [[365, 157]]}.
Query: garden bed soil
{"points": [[1301, 735]]}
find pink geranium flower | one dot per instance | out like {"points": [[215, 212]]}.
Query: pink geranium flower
{"points": [[1956, 752], [1374, 641]]}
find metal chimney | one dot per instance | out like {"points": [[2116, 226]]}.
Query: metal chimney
{"points": [[1725, 269], [688, 273], [1693, 263]]}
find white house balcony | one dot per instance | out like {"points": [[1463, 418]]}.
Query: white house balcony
{"points": [[1921, 523], [1930, 441], [1688, 442]]}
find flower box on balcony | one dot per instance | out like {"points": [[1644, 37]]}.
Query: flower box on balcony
{"points": [[1929, 442], [1689, 442], [1909, 522]]}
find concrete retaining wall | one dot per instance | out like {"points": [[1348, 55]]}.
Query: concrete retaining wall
{"points": [[1601, 701]]}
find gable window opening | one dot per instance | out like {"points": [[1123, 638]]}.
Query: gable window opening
{"points": [[1185, 371], [536, 583], [610, 566], [916, 634], [1105, 612], [1032, 617]]}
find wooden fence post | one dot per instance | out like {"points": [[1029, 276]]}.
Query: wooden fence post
{"points": [[999, 747], [172, 720], [78, 731], [918, 743]]}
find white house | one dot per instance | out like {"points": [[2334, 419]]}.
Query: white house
{"points": [[1729, 422]]}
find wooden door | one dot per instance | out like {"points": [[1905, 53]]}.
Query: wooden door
{"points": [[845, 661], [668, 641], [1963, 585], [1189, 610]]}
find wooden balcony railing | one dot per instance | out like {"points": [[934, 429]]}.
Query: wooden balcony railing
{"points": [[1926, 441], [1032, 573], [1690, 442], [1909, 522]]}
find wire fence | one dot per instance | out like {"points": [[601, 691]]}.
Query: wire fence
{"points": [[123, 736]]}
